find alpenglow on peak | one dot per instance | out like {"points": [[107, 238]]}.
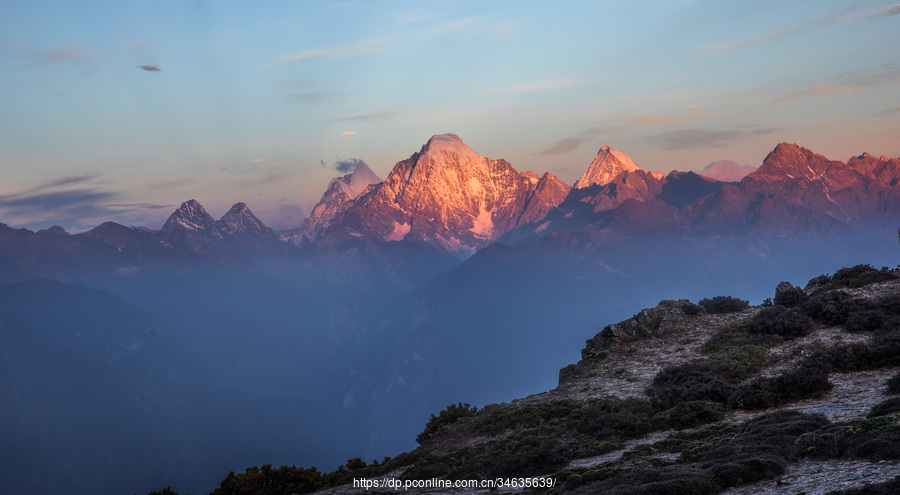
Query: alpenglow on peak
{"points": [[606, 166]]}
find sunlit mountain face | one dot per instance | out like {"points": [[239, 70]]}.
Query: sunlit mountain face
{"points": [[216, 345]]}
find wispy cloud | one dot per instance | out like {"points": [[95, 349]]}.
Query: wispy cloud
{"points": [[364, 116], [52, 200], [347, 133], [564, 146], [797, 28], [130, 206], [150, 68], [884, 76], [887, 11], [359, 49], [71, 55], [706, 138], [889, 111], [307, 97], [819, 90], [551, 85]]}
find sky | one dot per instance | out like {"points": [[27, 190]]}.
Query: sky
{"points": [[120, 111]]}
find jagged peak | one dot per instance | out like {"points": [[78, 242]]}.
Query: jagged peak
{"points": [[791, 161], [606, 166], [189, 216]]}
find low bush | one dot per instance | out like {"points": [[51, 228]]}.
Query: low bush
{"points": [[724, 304], [885, 408], [875, 439], [789, 296], [447, 416], [691, 414], [620, 419], [881, 352], [763, 393], [697, 381], [787, 323], [853, 277], [890, 487], [893, 384]]}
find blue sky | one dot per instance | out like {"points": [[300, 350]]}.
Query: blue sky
{"points": [[257, 101]]}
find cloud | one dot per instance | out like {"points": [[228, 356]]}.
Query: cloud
{"points": [[889, 111], [364, 116], [307, 97], [765, 37], [564, 146], [819, 90], [347, 133], [551, 85], [129, 206], [346, 165], [52, 200], [257, 160], [359, 49], [150, 68], [705, 138], [887, 11], [884, 76], [72, 55], [65, 181]]}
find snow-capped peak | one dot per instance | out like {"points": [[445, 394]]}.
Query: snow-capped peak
{"points": [[361, 178], [190, 216], [606, 166]]}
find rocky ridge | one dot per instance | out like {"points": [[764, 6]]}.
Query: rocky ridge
{"points": [[623, 363]]}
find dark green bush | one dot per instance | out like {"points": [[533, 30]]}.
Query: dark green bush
{"points": [[893, 384], [890, 487], [853, 277], [691, 414], [542, 459], [787, 323], [788, 295], [691, 382], [447, 416], [763, 393], [830, 308], [876, 438], [882, 352], [724, 304], [884, 408], [266, 480], [620, 419]]}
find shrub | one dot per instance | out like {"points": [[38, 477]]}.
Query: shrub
{"points": [[763, 393], [893, 384], [544, 459], [789, 296], [855, 276], [882, 352], [447, 416], [885, 408], [724, 304], [618, 419], [889, 487], [691, 414], [787, 323], [830, 308], [690, 382]]}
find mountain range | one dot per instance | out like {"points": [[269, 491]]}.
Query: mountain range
{"points": [[449, 198], [457, 277]]}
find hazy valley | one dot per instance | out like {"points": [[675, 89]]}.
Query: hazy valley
{"points": [[132, 359]]}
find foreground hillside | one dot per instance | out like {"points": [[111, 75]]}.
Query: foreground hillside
{"points": [[797, 395]]}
